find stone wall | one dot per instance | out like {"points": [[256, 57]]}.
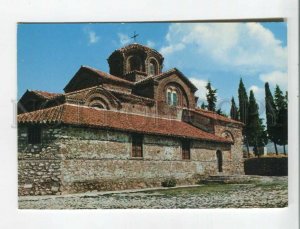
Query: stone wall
{"points": [[235, 130], [39, 165], [73, 159], [101, 160]]}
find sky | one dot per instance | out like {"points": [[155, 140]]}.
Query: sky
{"points": [[50, 54]]}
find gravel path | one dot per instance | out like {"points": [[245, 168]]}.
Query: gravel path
{"points": [[270, 192]]}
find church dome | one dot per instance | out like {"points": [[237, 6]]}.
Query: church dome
{"points": [[135, 62]]}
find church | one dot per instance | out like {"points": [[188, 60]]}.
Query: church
{"points": [[133, 127]]}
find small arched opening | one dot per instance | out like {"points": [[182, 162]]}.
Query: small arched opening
{"points": [[153, 67], [219, 161], [135, 64]]}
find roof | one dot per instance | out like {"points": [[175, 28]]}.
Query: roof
{"points": [[167, 73], [93, 117], [45, 94], [107, 75], [215, 116], [137, 46], [96, 74]]}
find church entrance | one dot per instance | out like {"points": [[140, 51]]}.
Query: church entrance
{"points": [[220, 161]]}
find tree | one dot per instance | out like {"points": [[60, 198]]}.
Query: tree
{"points": [[243, 111], [233, 110], [271, 116], [282, 114], [280, 101], [220, 112], [256, 134], [243, 102], [211, 97], [203, 106]]}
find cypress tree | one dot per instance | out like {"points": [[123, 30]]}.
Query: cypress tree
{"points": [[243, 110], [243, 103], [203, 106], [256, 134], [271, 116], [233, 110], [220, 112], [211, 97], [282, 121]]}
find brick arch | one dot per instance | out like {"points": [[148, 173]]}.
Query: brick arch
{"points": [[185, 90], [182, 97], [157, 65], [101, 97], [228, 135]]}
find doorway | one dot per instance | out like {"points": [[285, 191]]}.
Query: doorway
{"points": [[220, 161]]}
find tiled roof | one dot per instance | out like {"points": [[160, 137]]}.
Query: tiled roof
{"points": [[215, 116], [45, 94], [107, 76], [166, 73], [93, 117]]}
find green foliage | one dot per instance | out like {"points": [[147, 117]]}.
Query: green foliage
{"points": [[256, 133], [211, 97], [220, 112], [271, 115], [203, 106], [234, 110], [280, 101], [243, 103], [281, 129], [170, 182]]}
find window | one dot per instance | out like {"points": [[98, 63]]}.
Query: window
{"points": [[152, 68], [172, 98], [186, 151], [137, 145], [34, 134], [135, 64]]}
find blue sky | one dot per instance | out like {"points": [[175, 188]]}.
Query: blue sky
{"points": [[50, 54]]}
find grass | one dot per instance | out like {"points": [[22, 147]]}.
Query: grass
{"points": [[218, 188], [211, 188]]}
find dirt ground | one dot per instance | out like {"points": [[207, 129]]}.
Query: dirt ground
{"points": [[268, 192]]}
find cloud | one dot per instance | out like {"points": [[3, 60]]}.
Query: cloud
{"points": [[275, 77], [93, 38], [150, 44], [244, 47], [200, 84], [123, 39]]}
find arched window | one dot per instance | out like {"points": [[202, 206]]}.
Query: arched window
{"points": [[152, 68], [172, 97], [135, 64]]}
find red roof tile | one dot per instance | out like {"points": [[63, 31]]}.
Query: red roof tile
{"points": [[45, 94], [88, 116], [107, 75], [215, 116]]}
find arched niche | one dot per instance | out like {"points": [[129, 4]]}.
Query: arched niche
{"points": [[228, 135], [134, 63], [153, 67], [102, 99]]}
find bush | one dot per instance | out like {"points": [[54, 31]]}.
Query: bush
{"points": [[170, 182]]}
